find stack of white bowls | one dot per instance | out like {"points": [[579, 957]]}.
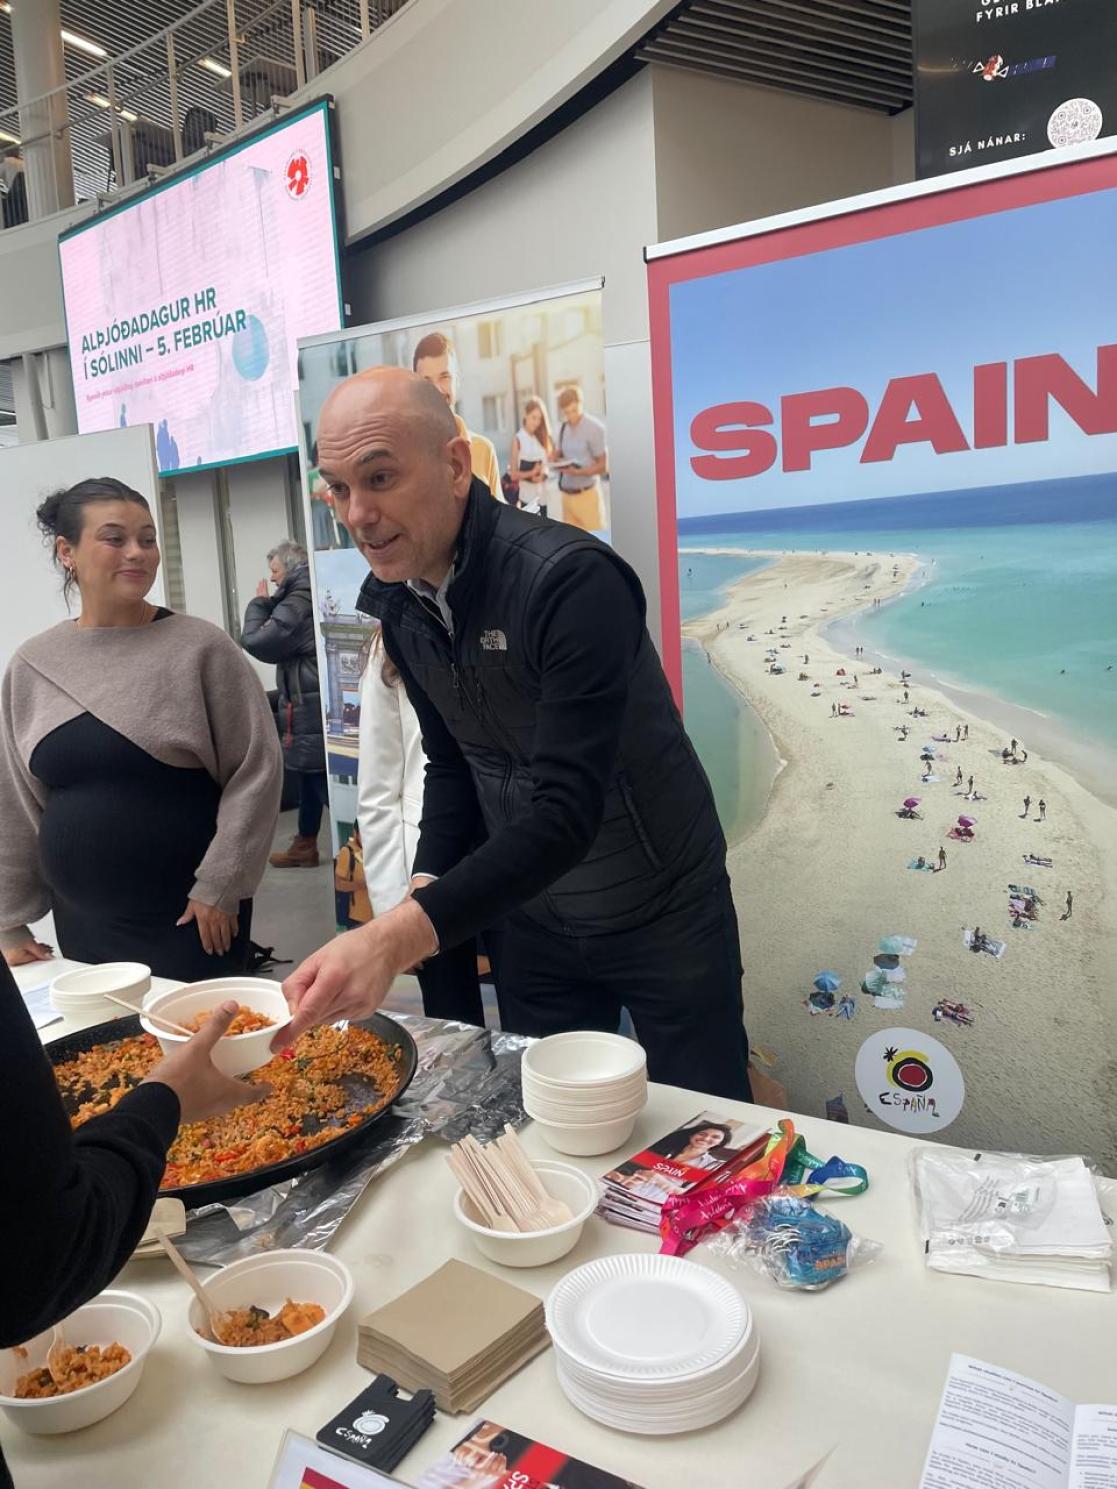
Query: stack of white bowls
{"points": [[652, 1344], [80, 995], [585, 1090]]}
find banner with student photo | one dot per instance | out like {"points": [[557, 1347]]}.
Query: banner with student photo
{"points": [[525, 379], [889, 583]]}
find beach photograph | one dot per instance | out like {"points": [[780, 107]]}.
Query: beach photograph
{"points": [[901, 676]]}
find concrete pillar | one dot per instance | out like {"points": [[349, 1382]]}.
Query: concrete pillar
{"points": [[40, 66], [43, 392]]}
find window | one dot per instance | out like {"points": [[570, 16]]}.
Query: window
{"points": [[488, 339], [494, 412]]}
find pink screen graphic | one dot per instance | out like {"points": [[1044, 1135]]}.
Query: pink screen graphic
{"points": [[184, 310]]}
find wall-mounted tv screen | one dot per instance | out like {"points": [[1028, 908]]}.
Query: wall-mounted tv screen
{"points": [[184, 307]]}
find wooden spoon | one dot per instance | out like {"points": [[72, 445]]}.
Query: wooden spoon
{"points": [[213, 1315], [54, 1355], [155, 1018], [555, 1211]]}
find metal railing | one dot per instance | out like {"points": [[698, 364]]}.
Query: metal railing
{"points": [[178, 92]]}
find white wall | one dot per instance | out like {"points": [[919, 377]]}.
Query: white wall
{"points": [[257, 522], [32, 587], [729, 152], [201, 557], [581, 205]]}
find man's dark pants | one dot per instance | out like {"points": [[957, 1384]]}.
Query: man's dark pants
{"points": [[679, 977]]}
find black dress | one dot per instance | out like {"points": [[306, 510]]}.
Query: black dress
{"points": [[120, 841]]}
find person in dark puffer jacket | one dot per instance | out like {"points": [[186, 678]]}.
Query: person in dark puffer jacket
{"points": [[279, 628]]}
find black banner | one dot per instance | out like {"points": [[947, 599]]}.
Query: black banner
{"points": [[1011, 77]]}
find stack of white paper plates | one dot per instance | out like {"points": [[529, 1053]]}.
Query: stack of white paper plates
{"points": [[652, 1344]]}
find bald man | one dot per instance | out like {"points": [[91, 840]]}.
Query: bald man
{"points": [[549, 731]]}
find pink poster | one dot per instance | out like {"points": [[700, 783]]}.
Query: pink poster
{"points": [[184, 309]]}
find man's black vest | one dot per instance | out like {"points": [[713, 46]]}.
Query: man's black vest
{"points": [[660, 844]]}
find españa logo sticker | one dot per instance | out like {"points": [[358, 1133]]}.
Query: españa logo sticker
{"points": [[909, 1080]]}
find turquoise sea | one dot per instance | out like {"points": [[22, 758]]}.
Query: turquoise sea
{"points": [[1018, 599], [735, 747]]}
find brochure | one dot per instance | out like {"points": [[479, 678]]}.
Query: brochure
{"points": [[491, 1457], [634, 1192], [998, 1428]]}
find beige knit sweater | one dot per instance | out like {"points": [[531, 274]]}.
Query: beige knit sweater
{"points": [[178, 688]]}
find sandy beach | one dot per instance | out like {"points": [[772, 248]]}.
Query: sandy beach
{"points": [[825, 873]]}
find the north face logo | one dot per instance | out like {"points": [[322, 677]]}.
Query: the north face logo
{"points": [[494, 641]]}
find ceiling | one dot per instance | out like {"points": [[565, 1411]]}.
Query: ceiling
{"points": [[264, 27], [846, 51]]}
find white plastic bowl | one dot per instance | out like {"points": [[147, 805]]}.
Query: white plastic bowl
{"points": [[268, 1281], [586, 1140], [82, 994], [603, 1091], [112, 1318], [578, 1114], [535, 1248], [584, 1058], [236, 1054]]}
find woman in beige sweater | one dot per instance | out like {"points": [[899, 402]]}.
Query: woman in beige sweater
{"points": [[140, 771]]}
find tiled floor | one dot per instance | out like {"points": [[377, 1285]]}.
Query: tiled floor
{"points": [[294, 908]]}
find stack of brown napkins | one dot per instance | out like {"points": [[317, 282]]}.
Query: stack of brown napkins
{"points": [[460, 1333]]}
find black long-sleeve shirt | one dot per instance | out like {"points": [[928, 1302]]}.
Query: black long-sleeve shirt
{"points": [[586, 628], [75, 1203]]}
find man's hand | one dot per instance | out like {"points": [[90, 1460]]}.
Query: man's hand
{"points": [[216, 928], [350, 977], [262, 590], [201, 1089], [29, 951]]}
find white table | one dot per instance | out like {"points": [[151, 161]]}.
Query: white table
{"points": [[859, 1367]]}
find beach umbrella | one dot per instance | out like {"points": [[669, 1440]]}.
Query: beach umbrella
{"points": [[828, 982], [967, 821], [876, 982], [893, 945], [911, 802]]}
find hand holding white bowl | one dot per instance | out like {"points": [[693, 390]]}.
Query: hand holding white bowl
{"points": [[201, 1088]]}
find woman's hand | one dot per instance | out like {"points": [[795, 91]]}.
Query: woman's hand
{"points": [[201, 1089], [216, 929], [30, 951], [262, 590]]}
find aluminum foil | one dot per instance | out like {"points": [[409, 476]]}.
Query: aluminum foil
{"points": [[467, 1081]]}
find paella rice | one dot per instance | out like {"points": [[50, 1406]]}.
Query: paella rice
{"points": [[307, 1106], [247, 1328], [246, 1021], [75, 1366]]}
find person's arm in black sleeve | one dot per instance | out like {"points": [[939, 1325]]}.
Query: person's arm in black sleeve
{"points": [[75, 1204], [271, 626], [451, 822], [587, 625]]}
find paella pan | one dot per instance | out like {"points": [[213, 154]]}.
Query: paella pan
{"points": [[328, 1094]]}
